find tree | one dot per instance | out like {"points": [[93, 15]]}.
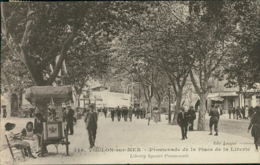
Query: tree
{"points": [[88, 59], [212, 25], [14, 74], [243, 63], [39, 32]]}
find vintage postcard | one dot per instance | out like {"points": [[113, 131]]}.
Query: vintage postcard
{"points": [[122, 82]]}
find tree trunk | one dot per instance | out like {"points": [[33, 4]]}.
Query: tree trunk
{"points": [[8, 106], [202, 113], [20, 98], [177, 108], [159, 103]]}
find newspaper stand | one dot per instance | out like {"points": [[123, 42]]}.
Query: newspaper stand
{"points": [[53, 132]]}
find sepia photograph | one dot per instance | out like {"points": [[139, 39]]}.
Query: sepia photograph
{"points": [[127, 82]]}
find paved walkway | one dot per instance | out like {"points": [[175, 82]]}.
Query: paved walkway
{"points": [[136, 142]]}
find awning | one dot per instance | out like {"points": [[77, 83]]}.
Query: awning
{"points": [[214, 97], [39, 94], [226, 94]]}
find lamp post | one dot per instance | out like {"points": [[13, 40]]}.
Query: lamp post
{"points": [[169, 90]]}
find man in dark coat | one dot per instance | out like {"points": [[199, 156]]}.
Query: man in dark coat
{"points": [[130, 113], [243, 112], [192, 117], [238, 112], [70, 118], [138, 113], [112, 114], [91, 126], [182, 121], [38, 129], [255, 125], [125, 113], [214, 119], [118, 113]]}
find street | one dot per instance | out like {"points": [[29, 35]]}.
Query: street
{"points": [[132, 142]]}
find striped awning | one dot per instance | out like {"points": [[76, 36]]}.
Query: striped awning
{"points": [[228, 94]]}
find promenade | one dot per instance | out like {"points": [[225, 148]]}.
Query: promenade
{"points": [[136, 142]]}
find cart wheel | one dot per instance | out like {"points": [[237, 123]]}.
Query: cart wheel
{"points": [[67, 141]]}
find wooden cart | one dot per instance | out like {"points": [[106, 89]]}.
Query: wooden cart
{"points": [[53, 132]]}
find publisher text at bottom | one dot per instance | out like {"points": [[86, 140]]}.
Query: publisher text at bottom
{"points": [[156, 156]]}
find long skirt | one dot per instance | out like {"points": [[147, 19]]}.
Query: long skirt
{"points": [[19, 144]]}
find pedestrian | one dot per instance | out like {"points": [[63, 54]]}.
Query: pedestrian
{"points": [[141, 113], [250, 112], [112, 114], [4, 111], [15, 141], [246, 112], [255, 125], [125, 113], [243, 112], [70, 118], [182, 121], [192, 117], [137, 113], [155, 114], [149, 117], [38, 128], [134, 111], [118, 113], [91, 126], [64, 114], [214, 119], [230, 111], [75, 114], [130, 113], [234, 112], [105, 112], [238, 110]]}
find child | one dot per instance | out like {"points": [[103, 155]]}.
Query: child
{"points": [[14, 140], [28, 135]]}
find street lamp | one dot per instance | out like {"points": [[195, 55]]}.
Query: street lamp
{"points": [[169, 90]]}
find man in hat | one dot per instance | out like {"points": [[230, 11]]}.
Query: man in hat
{"points": [[182, 121], [192, 117], [70, 118], [214, 119], [91, 125]]}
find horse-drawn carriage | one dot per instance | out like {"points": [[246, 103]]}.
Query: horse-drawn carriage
{"points": [[53, 132]]}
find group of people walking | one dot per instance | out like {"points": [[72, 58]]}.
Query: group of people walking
{"points": [[124, 113], [241, 113]]}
